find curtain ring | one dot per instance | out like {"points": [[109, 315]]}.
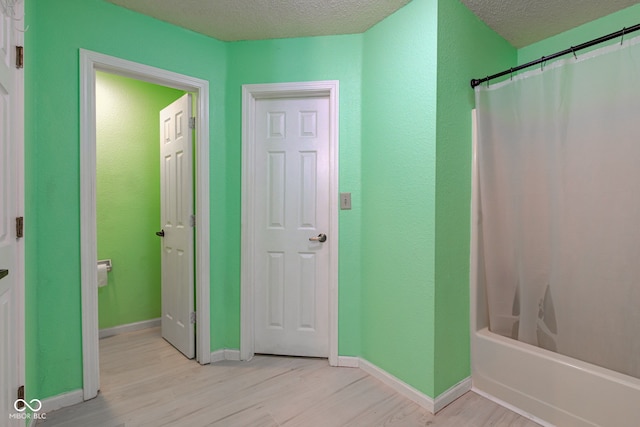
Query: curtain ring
{"points": [[574, 52], [542, 64], [487, 80], [622, 38], [511, 69]]}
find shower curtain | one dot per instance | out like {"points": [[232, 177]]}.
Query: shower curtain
{"points": [[559, 178]]}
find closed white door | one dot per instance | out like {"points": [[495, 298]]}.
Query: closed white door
{"points": [[291, 222], [176, 205], [10, 296]]}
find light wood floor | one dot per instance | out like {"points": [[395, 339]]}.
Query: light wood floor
{"points": [[146, 382]]}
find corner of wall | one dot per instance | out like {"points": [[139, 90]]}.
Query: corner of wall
{"points": [[466, 48], [398, 193]]}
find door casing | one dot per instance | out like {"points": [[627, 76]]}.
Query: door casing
{"points": [[89, 63], [250, 94], [16, 141]]}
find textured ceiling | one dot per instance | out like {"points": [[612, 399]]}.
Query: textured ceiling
{"points": [[521, 22], [231, 20]]}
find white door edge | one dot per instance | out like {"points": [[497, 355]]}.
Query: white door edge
{"points": [[176, 206], [18, 123], [250, 94], [89, 63], [17, 135]]}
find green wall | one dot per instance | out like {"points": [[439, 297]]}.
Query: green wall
{"points": [[128, 196], [57, 30], [416, 174], [467, 48], [404, 155], [288, 60], [398, 193], [388, 145], [600, 27]]}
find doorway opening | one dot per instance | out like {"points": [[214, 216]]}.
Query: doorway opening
{"points": [[90, 62], [138, 285]]}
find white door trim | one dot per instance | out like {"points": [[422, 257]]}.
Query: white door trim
{"points": [[250, 94], [17, 140], [89, 63]]}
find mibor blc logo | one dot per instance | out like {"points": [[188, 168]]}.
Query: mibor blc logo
{"points": [[21, 407]]}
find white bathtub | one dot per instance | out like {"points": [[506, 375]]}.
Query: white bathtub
{"points": [[550, 387], [547, 387]]}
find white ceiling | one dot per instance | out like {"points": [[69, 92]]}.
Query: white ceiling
{"points": [[521, 22]]}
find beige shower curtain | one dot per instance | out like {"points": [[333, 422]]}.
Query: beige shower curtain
{"points": [[559, 170]]}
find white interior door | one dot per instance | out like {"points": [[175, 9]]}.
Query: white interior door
{"points": [[176, 204], [11, 304], [292, 210]]}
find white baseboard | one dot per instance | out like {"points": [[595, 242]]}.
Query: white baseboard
{"points": [[63, 400], [130, 327], [348, 362], [451, 394], [512, 408], [225, 354], [398, 385], [230, 354], [53, 403], [428, 403], [217, 356]]}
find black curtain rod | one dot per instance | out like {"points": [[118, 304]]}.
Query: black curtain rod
{"points": [[572, 49]]}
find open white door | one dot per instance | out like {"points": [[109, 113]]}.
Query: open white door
{"points": [[11, 264], [292, 226], [176, 205]]}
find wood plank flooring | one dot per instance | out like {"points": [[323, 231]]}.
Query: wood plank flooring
{"points": [[146, 382]]}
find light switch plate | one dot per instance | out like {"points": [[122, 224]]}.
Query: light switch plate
{"points": [[345, 201]]}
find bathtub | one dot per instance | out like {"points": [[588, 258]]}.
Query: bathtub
{"points": [[546, 387]]}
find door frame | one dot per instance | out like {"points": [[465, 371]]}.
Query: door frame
{"points": [[17, 141], [90, 62], [250, 94]]}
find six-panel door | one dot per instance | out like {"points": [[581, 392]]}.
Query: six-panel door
{"points": [[292, 206]]}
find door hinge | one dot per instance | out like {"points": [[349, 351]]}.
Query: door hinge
{"points": [[193, 317], [192, 220], [192, 122], [20, 398], [19, 227], [19, 56]]}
